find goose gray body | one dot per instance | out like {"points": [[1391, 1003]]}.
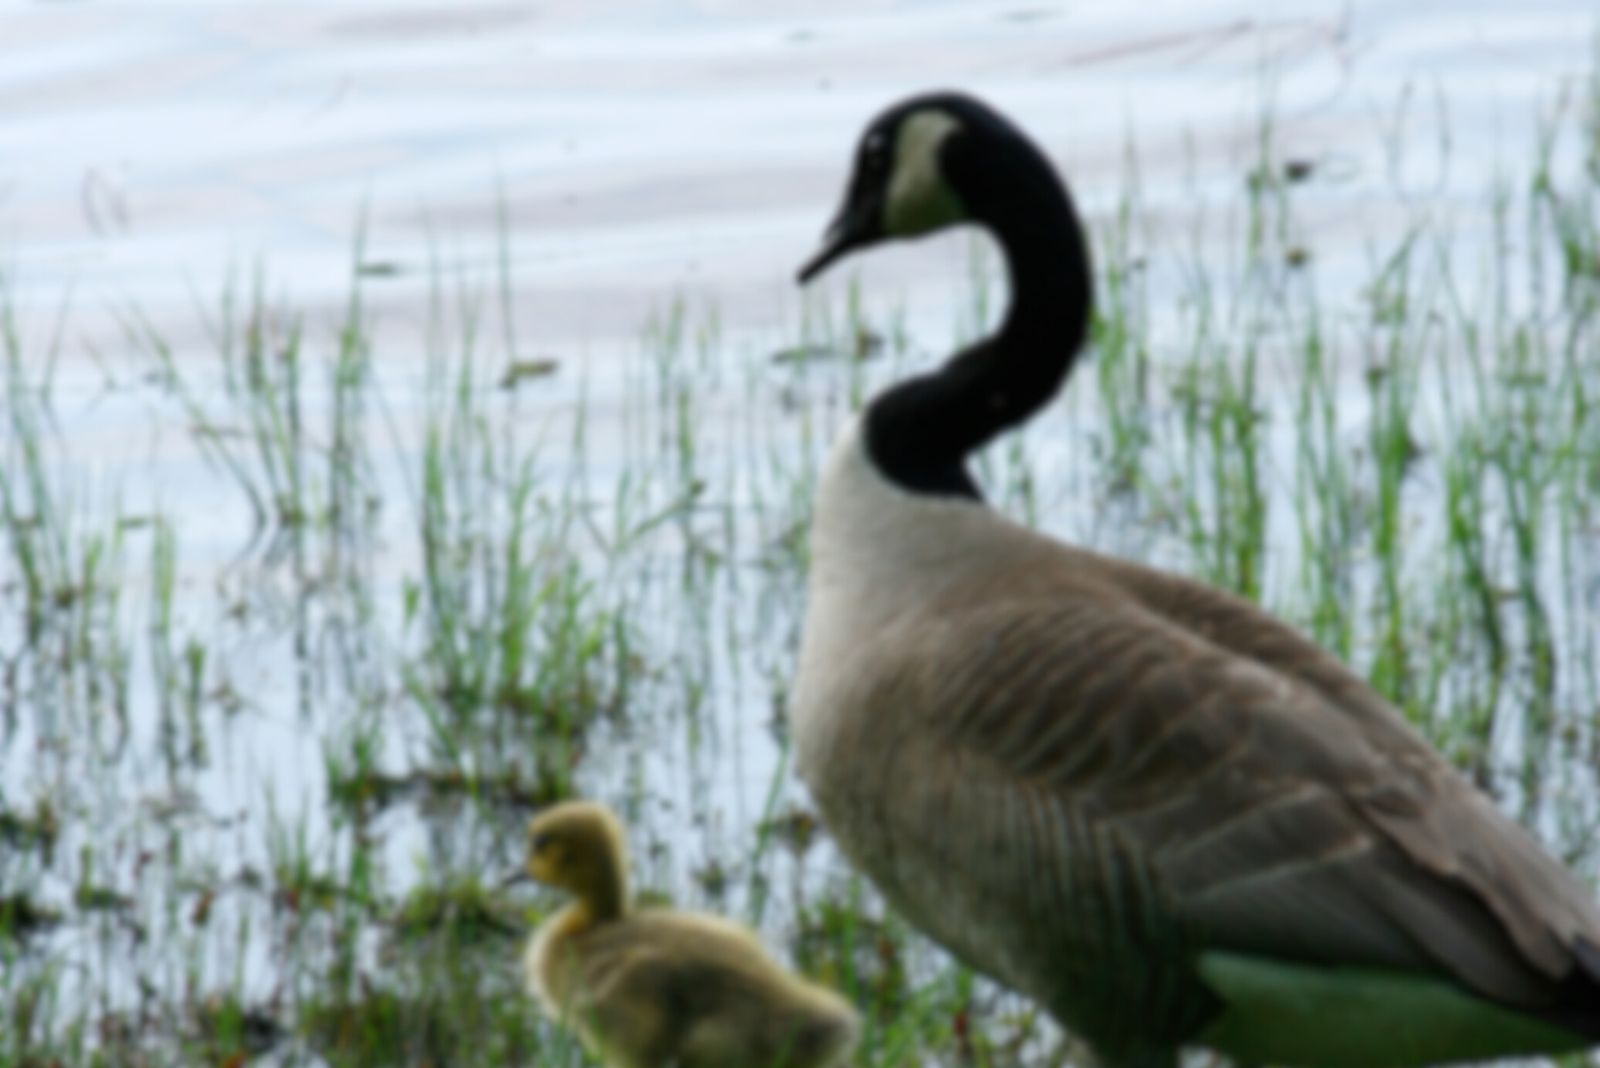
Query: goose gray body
{"points": [[1150, 805]]}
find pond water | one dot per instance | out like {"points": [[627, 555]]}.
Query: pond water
{"points": [[691, 149], [270, 546]]}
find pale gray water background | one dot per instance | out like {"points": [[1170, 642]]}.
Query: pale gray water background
{"points": [[675, 147], [624, 158]]}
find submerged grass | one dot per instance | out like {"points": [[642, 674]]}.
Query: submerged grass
{"points": [[270, 730]]}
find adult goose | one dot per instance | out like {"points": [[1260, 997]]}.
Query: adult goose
{"points": [[1144, 802]]}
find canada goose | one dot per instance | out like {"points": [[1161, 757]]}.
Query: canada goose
{"points": [[648, 987], [1144, 802]]}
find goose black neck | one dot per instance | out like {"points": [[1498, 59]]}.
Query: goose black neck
{"points": [[920, 432]]}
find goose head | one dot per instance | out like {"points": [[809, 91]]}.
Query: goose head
{"points": [[577, 846], [933, 161], [937, 160]]}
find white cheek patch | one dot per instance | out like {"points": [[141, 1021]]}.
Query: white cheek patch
{"points": [[919, 199]]}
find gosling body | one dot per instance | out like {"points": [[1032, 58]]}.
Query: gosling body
{"points": [[1148, 804], [652, 987]]}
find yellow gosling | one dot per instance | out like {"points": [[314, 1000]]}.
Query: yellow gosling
{"points": [[649, 987]]}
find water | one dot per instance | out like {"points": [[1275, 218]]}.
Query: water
{"points": [[627, 191], [696, 149]]}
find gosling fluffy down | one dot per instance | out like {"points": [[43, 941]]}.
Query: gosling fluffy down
{"points": [[648, 987]]}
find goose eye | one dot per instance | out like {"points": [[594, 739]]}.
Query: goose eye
{"points": [[875, 152]]}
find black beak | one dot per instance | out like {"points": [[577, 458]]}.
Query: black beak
{"points": [[516, 878], [856, 225]]}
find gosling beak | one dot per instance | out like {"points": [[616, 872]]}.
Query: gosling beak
{"points": [[516, 878], [856, 225]]}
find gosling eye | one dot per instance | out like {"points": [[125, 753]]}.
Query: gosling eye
{"points": [[540, 842]]}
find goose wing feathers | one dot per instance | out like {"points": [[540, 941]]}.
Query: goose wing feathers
{"points": [[1184, 767]]}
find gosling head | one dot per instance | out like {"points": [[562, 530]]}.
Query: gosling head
{"points": [[578, 846], [924, 164]]}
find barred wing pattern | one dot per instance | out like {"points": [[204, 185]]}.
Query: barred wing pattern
{"points": [[1141, 792]]}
